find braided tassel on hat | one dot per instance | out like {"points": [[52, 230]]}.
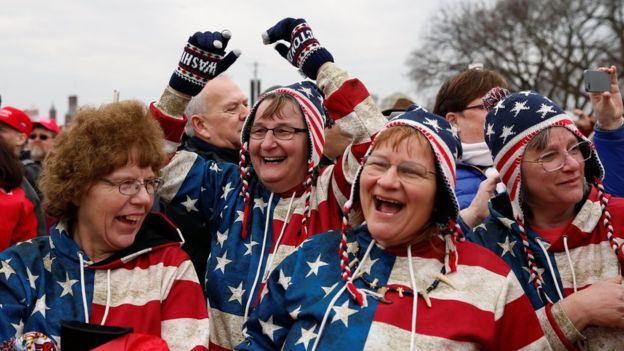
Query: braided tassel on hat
{"points": [[344, 257], [244, 175], [606, 222]]}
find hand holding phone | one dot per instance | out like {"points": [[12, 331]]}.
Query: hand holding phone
{"points": [[596, 81]]}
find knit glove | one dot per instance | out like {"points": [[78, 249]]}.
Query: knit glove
{"points": [[305, 52], [204, 58]]}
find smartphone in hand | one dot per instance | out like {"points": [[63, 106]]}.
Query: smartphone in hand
{"points": [[596, 81]]}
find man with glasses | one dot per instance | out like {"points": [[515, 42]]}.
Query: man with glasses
{"points": [[40, 142]]}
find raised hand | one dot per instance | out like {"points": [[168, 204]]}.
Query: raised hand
{"points": [[304, 52], [608, 107], [203, 58]]}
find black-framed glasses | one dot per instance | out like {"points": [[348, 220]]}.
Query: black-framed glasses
{"points": [[408, 171], [555, 160], [281, 132], [132, 187], [475, 107], [39, 136]]}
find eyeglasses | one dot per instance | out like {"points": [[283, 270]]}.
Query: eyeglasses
{"points": [[40, 136], [555, 160], [133, 187], [410, 172], [475, 107], [281, 133]]}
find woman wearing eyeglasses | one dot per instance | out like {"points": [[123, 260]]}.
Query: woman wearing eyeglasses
{"points": [[562, 233], [108, 261], [404, 280]]}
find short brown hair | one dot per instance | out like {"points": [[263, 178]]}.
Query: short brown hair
{"points": [[98, 141], [277, 102], [457, 92]]}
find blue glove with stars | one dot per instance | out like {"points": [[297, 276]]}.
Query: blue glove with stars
{"points": [[204, 58], [305, 52]]}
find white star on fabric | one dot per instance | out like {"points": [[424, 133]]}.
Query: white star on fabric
{"points": [[259, 203], [507, 247], [498, 105], [221, 237], [67, 285], [269, 328], [295, 313], [226, 190], [480, 226], [40, 306], [284, 280], [215, 167], [61, 227], [32, 279], [329, 289], [353, 247], [342, 313], [240, 215], [454, 130], [19, 328], [222, 262], [249, 247], [189, 204], [314, 266], [506, 133], [433, 123], [519, 107], [47, 262], [368, 265], [306, 336], [489, 130], [526, 92], [6, 269], [237, 293], [306, 91], [544, 109]]}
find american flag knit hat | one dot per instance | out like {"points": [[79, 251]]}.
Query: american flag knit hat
{"points": [[510, 125], [446, 149], [310, 100]]}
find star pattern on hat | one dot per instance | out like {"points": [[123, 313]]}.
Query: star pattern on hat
{"points": [[545, 109], [433, 123], [507, 132], [519, 106]]}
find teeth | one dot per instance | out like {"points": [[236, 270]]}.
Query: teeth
{"points": [[387, 200], [270, 159], [133, 218]]}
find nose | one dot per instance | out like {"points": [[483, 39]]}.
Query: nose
{"points": [[572, 164], [269, 140], [244, 112], [142, 198], [390, 178]]}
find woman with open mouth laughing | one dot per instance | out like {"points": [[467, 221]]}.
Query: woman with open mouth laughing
{"points": [[405, 279], [108, 262]]}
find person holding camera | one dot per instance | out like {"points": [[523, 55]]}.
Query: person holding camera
{"points": [[558, 228], [261, 210]]}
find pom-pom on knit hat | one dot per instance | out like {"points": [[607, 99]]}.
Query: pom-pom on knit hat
{"points": [[446, 149], [310, 100]]}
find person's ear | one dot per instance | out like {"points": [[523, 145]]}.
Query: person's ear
{"points": [[451, 117], [199, 127], [22, 138]]}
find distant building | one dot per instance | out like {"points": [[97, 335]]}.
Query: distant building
{"points": [[71, 110], [53, 113], [33, 113]]}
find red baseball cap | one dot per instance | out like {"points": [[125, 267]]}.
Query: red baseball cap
{"points": [[48, 124], [16, 118]]}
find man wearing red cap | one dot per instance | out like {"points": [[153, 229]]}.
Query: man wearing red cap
{"points": [[15, 127], [41, 141]]}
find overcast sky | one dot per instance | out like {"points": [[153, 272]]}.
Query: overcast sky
{"points": [[53, 49]]}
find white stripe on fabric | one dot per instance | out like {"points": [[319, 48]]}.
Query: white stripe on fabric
{"points": [[185, 333], [225, 327], [604, 264], [383, 336]]}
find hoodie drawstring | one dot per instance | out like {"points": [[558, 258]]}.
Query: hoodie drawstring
{"points": [[567, 251], [264, 240], [84, 292], [414, 297], [83, 289], [267, 269], [551, 270]]}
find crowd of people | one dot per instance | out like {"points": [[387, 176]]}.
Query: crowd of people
{"points": [[312, 219]]}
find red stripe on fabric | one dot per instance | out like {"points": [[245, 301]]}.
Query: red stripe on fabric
{"points": [[171, 126], [185, 300], [344, 100], [215, 347], [469, 323], [314, 121], [518, 326], [143, 319], [450, 164], [339, 176]]}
